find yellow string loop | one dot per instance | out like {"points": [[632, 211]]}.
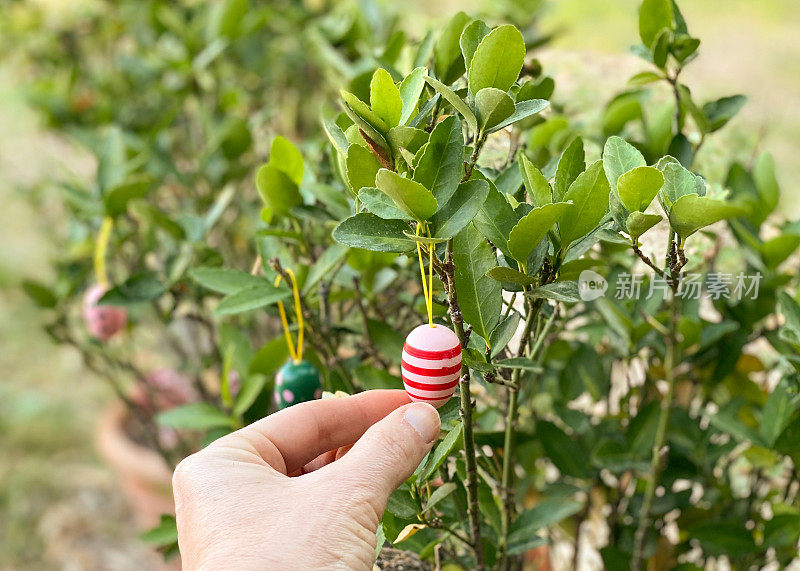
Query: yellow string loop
{"points": [[297, 354], [427, 285], [100, 248]]}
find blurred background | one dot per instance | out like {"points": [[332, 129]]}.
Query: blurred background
{"points": [[60, 507]]}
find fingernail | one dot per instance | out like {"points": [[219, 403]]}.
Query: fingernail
{"points": [[424, 419]]}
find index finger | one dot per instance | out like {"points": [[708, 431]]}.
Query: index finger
{"points": [[289, 439]]}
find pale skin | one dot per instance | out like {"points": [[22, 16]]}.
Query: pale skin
{"points": [[304, 488]]}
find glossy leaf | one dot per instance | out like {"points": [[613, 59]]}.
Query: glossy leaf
{"points": [[441, 164], [536, 184], [690, 213], [277, 190], [410, 196], [496, 219], [498, 60], [619, 157], [380, 204], [492, 107], [534, 226], [522, 110], [361, 168], [251, 298], [480, 297], [448, 61], [570, 165], [460, 210], [638, 187], [384, 98], [458, 104], [369, 232], [589, 194]]}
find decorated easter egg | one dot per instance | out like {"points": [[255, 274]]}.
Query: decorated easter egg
{"points": [[296, 382], [102, 321], [431, 364]]}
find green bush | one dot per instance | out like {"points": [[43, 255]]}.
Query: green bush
{"points": [[671, 419]]}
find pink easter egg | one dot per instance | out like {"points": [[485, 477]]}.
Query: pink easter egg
{"points": [[431, 364], [102, 321]]}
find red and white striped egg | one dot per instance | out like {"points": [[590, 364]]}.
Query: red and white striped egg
{"points": [[431, 364]]}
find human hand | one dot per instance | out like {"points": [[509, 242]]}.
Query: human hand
{"points": [[288, 491]]}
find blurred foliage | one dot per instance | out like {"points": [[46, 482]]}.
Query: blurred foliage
{"points": [[672, 421]]}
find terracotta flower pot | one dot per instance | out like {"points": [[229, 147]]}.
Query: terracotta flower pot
{"points": [[145, 477]]}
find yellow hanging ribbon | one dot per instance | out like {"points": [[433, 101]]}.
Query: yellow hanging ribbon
{"points": [[427, 285], [297, 354], [100, 247]]}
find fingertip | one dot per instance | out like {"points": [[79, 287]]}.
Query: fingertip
{"points": [[424, 419]]}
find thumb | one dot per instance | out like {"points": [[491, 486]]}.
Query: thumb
{"points": [[389, 452]]}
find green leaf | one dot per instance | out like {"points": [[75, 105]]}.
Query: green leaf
{"points": [[639, 223], [654, 15], [471, 38], [164, 534], [116, 200], [719, 112], [619, 157], [410, 196], [441, 164], [558, 291], [765, 181], [589, 194], [448, 62], [223, 280], [138, 288], [195, 416], [39, 293], [535, 183], [782, 531], [269, 358], [251, 298], [410, 90], [563, 451], [480, 297], [776, 413], [778, 249], [401, 504], [284, 156], [691, 212], [454, 100], [728, 421], [522, 110], [644, 77], [440, 453], [369, 232], [439, 494], [678, 182], [496, 219], [492, 107], [380, 204], [547, 512], [361, 167], [277, 190], [252, 386], [502, 334], [790, 310], [335, 135], [324, 265], [498, 60], [510, 276], [570, 165], [534, 226], [638, 187], [365, 119], [460, 210], [723, 538], [384, 98]]}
